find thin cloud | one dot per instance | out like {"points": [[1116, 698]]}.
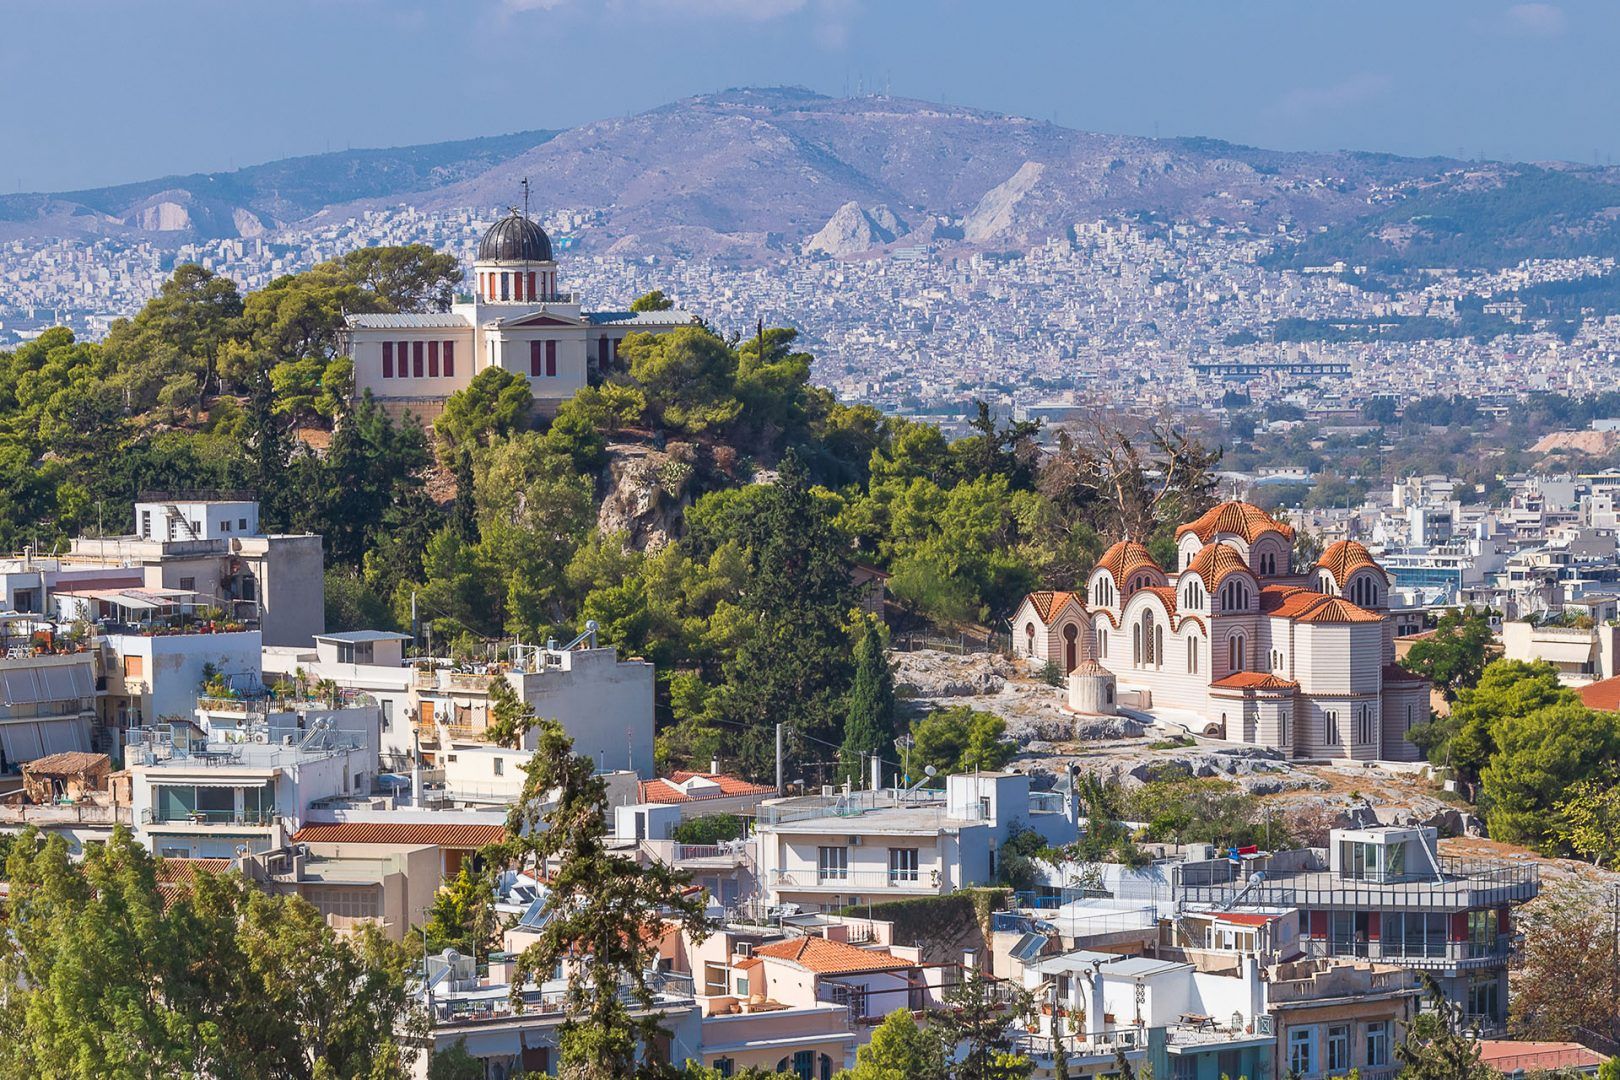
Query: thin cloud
{"points": [[1535, 20], [1356, 90], [752, 10]]}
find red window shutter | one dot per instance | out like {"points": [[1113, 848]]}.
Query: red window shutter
{"points": [[1459, 926], [531, 285], [388, 360], [1319, 923], [517, 286], [534, 358], [449, 359], [1373, 924], [433, 359], [551, 359], [1504, 920], [416, 359]]}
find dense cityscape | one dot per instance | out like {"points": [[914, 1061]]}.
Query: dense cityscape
{"points": [[776, 584]]}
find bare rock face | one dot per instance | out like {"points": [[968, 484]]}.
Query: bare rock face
{"points": [[994, 215], [852, 230], [646, 494]]}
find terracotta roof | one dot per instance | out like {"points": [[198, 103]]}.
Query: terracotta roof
{"points": [[1164, 593], [1047, 602], [1603, 695], [185, 871], [69, 761], [1237, 519], [1214, 562], [1124, 559], [1344, 558], [1253, 680], [447, 834], [1512, 1056], [1245, 918], [825, 957], [665, 791], [1309, 606], [1396, 673], [1088, 666]]}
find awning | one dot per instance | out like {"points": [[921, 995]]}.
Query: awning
{"points": [[25, 740], [56, 682]]}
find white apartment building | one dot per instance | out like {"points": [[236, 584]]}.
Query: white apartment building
{"points": [[836, 849]]}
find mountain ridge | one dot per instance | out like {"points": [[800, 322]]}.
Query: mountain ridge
{"points": [[749, 171]]}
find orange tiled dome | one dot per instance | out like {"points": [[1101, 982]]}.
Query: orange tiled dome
{"points": [[1345, 557], [1237, 519], [1214, 561], [1126, 558]]}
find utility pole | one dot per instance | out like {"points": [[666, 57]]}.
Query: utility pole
{"points": [[779, 728]]}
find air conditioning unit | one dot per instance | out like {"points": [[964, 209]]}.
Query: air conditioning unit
{"points": [[854, 841], [745, 948]]}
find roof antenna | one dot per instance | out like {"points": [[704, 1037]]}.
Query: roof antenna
{"points": [[525, 196]]}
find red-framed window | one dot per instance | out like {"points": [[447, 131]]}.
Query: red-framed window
{"points": [[534, 358], [531, 285], [433, 359], [388, 360], [551, 359], [416, 358], [449, 359]]}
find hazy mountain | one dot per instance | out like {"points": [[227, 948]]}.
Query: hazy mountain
{"points": [[246, 201], [750, 171]]}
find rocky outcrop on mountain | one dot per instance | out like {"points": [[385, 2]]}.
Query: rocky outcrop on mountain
{"points": [[993, 215], [852, 230]]}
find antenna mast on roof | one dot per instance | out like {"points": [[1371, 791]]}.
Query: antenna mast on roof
{"points": [[525, 196]]}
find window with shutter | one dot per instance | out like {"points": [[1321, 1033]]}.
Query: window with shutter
{"points": [[433, 359], [534, 358], [551, 359], [416, 359], [388, 360], [449, 359]]}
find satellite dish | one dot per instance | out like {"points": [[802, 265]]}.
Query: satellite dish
{"points": [[929, 770]]}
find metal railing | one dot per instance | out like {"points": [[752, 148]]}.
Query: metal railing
{"points": [[1463, 884], [920, 880], [856, 803], [256, 818], [1428, 954]]}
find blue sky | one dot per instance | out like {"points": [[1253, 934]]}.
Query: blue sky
{"points": [[100, 91]]}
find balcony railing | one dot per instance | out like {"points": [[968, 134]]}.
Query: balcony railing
{"points": [[924, 880], [1462, 884], [1429, 954], [254, 818]]}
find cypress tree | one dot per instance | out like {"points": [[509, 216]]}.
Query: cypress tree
{"points": [[869, 722]]}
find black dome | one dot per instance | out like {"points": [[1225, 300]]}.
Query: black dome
{"points": [[515, 238]]}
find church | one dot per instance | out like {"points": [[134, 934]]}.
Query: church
{"points": [[1235, 643], [517, 318]]}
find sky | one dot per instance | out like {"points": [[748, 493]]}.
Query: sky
{"points": [[94, 92]]}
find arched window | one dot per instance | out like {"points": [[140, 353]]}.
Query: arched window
{"points": [[1192, 656], [1234, 652], [1149, 653], [1158, 645], [1029, 639], [1136, 644], [1102, 643]]}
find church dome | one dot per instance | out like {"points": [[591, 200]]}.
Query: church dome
{"points": [[515, 238]]}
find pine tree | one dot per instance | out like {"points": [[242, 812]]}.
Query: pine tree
{"points": [[869, 723], [977, 1012], [605, 914]]}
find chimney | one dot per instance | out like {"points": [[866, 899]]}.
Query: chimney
{"points": [[877, 773], [714, 766]]}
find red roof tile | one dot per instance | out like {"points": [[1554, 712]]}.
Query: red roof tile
{"points": [[1214, 562], [665, 791], [1124, 559], [1396, 673], [1047, 602], [1603, 695], [1236, 519], [826, 957], [1344, 558], [1253, 680], [447, 834], [184, 871], [1511, 1056]]}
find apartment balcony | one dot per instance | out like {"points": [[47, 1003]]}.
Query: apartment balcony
{"points": [[1429, 956], [926, 881], [1461, 885], [253, 819]]}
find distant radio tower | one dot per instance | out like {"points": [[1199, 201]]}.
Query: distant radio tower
{"points": [[525, 196]]}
